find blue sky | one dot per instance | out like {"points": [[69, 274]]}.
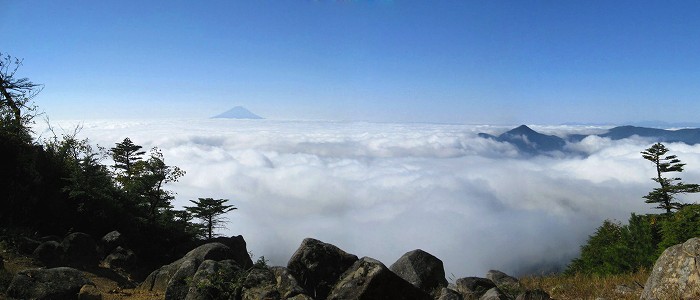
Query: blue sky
{"points": [[496, 62]]}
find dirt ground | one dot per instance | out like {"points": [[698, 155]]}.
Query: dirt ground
{"points": [[108, 283]]}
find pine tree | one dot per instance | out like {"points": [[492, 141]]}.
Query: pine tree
{"points": [[125, 156], [669, 186], [210, 210]]}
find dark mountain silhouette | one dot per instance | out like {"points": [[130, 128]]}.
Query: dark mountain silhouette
{"points": [[529, 141], [238, 112], [532, 142], [688, 136]]}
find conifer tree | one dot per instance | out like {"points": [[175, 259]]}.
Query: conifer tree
{"points": [[665, 195], [210, 210], [125, 155]]}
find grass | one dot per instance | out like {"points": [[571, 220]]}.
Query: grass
{"points": [[579, 286]]}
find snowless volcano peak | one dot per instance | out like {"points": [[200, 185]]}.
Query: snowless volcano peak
{"points": [[238, 112]]}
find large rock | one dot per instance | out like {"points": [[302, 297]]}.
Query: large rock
{"points": [[287, 285], [239, 249], [206, 281], [503, 280], [448, 294], [57, 283], [370, 279], [675, 274], [50, 253], [79, 249], [172, 279], [120, 258], [111, 241], [255, 283], [421, 269], [260, 283], [473, 287], [317, 266], [89, 292], [493, 294]]}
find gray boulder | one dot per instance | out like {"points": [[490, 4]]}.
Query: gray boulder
{"points": [[120, 258], [239, 249], [317, 266], [255, 283], [260, 283], [89, 292], [675, 274], [172, 279], [79, 249], [287, 285], [448, 294], [48, 284], [421, 269], [204, 281], [503, 280], [111, 241], [473, 287], [368, 278], [493, 294], [50, 253]]}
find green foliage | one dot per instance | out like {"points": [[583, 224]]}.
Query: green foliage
{"points": [[125, 155], [615, 248], [16, 109], [227, 282], [59, 184], [143, 180], [664, 196], [210, 211], [679, 227]]}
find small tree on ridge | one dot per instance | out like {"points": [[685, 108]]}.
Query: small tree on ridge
{"points": [[210, 211], [669, 187]]}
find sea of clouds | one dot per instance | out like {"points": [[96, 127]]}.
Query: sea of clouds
{"points": [[381, 190]]}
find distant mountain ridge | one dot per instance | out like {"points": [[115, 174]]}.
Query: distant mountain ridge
{"points": [[238, 112], [531, 142], [528, 140]]}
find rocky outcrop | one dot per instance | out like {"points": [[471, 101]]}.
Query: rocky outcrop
{"points": [[120, 258], [111, 241], [238, 248], [421, 269], [287, 285], [368, 278], [317, 266], [80, 250], [89, 292], [473, 287], [172, 279], [56, 283], [50, 253], [204, 282], [503, 280], [494, 294], [676, 274], [448, 294]]}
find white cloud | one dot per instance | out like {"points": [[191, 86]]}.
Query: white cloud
{"points": [[381, 190]]}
